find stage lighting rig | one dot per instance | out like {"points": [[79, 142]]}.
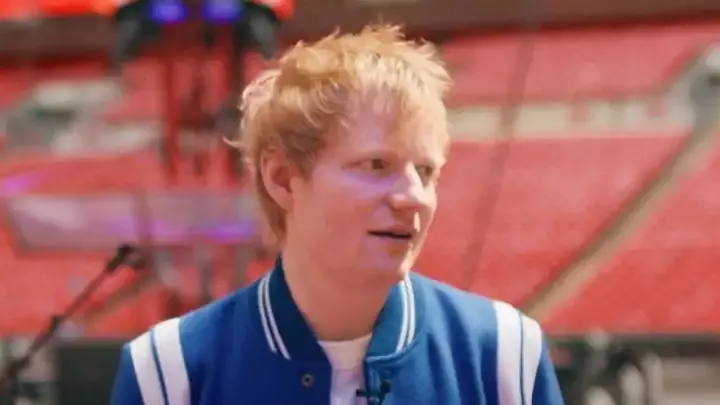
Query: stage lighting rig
{"points": [[133, 28], [253, 22], [224, 30]]}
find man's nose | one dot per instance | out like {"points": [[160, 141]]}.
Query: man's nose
{"points": [[410, 191]]}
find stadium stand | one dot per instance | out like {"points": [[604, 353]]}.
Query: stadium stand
{"points": [[127, 172], [143, 98], [665, 279], [14, 86], [87, 178], [177, 283], [46, 285], [92, 176], [48, 282], [599, 62], [555, 194], [532, 231], [128, 320]]}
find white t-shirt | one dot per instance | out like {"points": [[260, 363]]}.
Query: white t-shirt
{"points": [[346, 359]]}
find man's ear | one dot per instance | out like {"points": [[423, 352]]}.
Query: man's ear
{"points": [[275, 170]]}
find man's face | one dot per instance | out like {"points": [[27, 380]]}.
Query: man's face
{"points": [[367, 205]]}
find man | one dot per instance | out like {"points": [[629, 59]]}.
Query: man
{"points": [[347, 138]]}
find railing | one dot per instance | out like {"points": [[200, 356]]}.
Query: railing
{"points": [[42, 223]]}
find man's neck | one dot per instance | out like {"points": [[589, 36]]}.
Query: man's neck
{"points": [[334, 311]]}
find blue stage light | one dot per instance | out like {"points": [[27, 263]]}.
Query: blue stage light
{"points": [[165, 12], [222, 11]]}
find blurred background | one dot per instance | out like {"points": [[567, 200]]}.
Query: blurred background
{"points": [[583, 184]]}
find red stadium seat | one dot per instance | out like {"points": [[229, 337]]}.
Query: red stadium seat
{"points": [[15, 86], [647, 291], [130, 318], [665, 279], [144, 94], [138, 313], [555, 195], [38, 288], [567, 64]]}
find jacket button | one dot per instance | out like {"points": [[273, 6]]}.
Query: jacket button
{"points": [[308, 380]]}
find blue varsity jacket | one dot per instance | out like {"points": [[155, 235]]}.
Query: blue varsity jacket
{"points": [[432, 345]]}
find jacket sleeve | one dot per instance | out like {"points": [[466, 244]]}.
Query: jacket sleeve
{"points": [[546, 390], [126, 390], [526, 375], [152, 369]]}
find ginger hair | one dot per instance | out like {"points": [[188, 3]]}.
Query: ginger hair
{"points": [[296, 107]]}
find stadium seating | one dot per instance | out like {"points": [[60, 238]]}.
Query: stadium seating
{"points": [[130, 320], [44, 286], [665, 279], [577, 63], [50, 281], [647, 291], [14, 86], [108, 174], [142, 94], [26, 172], [129, 173], [555, 194], [18, 82], [615, 62], [258, 268], [46, 283], [189, 276], [152, 303], [143, 99], [137, 104]]}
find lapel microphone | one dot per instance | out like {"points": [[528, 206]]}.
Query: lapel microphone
{"points": [[375, 397]]}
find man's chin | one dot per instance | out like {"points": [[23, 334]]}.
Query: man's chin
{"points": [[377, 270], [392, 272]]}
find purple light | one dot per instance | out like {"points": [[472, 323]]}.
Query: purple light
{"points": [[222, 11], [168, 11]]}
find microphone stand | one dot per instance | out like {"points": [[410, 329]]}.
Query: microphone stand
{"points": [[9, 377]]}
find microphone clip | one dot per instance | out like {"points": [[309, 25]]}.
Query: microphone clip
{"points": [[375, 397], [125, 255]]}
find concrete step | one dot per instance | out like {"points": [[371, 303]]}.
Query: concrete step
{"points": [[691, 398], [692, 375], [97, 139], [556, 120]]}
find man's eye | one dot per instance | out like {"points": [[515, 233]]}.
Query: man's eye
{"points": [[429, 174], [425, 171], [375, 165]]}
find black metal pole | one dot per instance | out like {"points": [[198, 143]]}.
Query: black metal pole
{"points": [[9, 377]]}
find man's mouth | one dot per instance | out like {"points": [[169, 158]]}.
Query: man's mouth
{"points": [[396, 235]]}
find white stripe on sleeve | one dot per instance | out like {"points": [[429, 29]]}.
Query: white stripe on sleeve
{"points": [[532, 350], [145, 368], [172, 362], [509, 342]]}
